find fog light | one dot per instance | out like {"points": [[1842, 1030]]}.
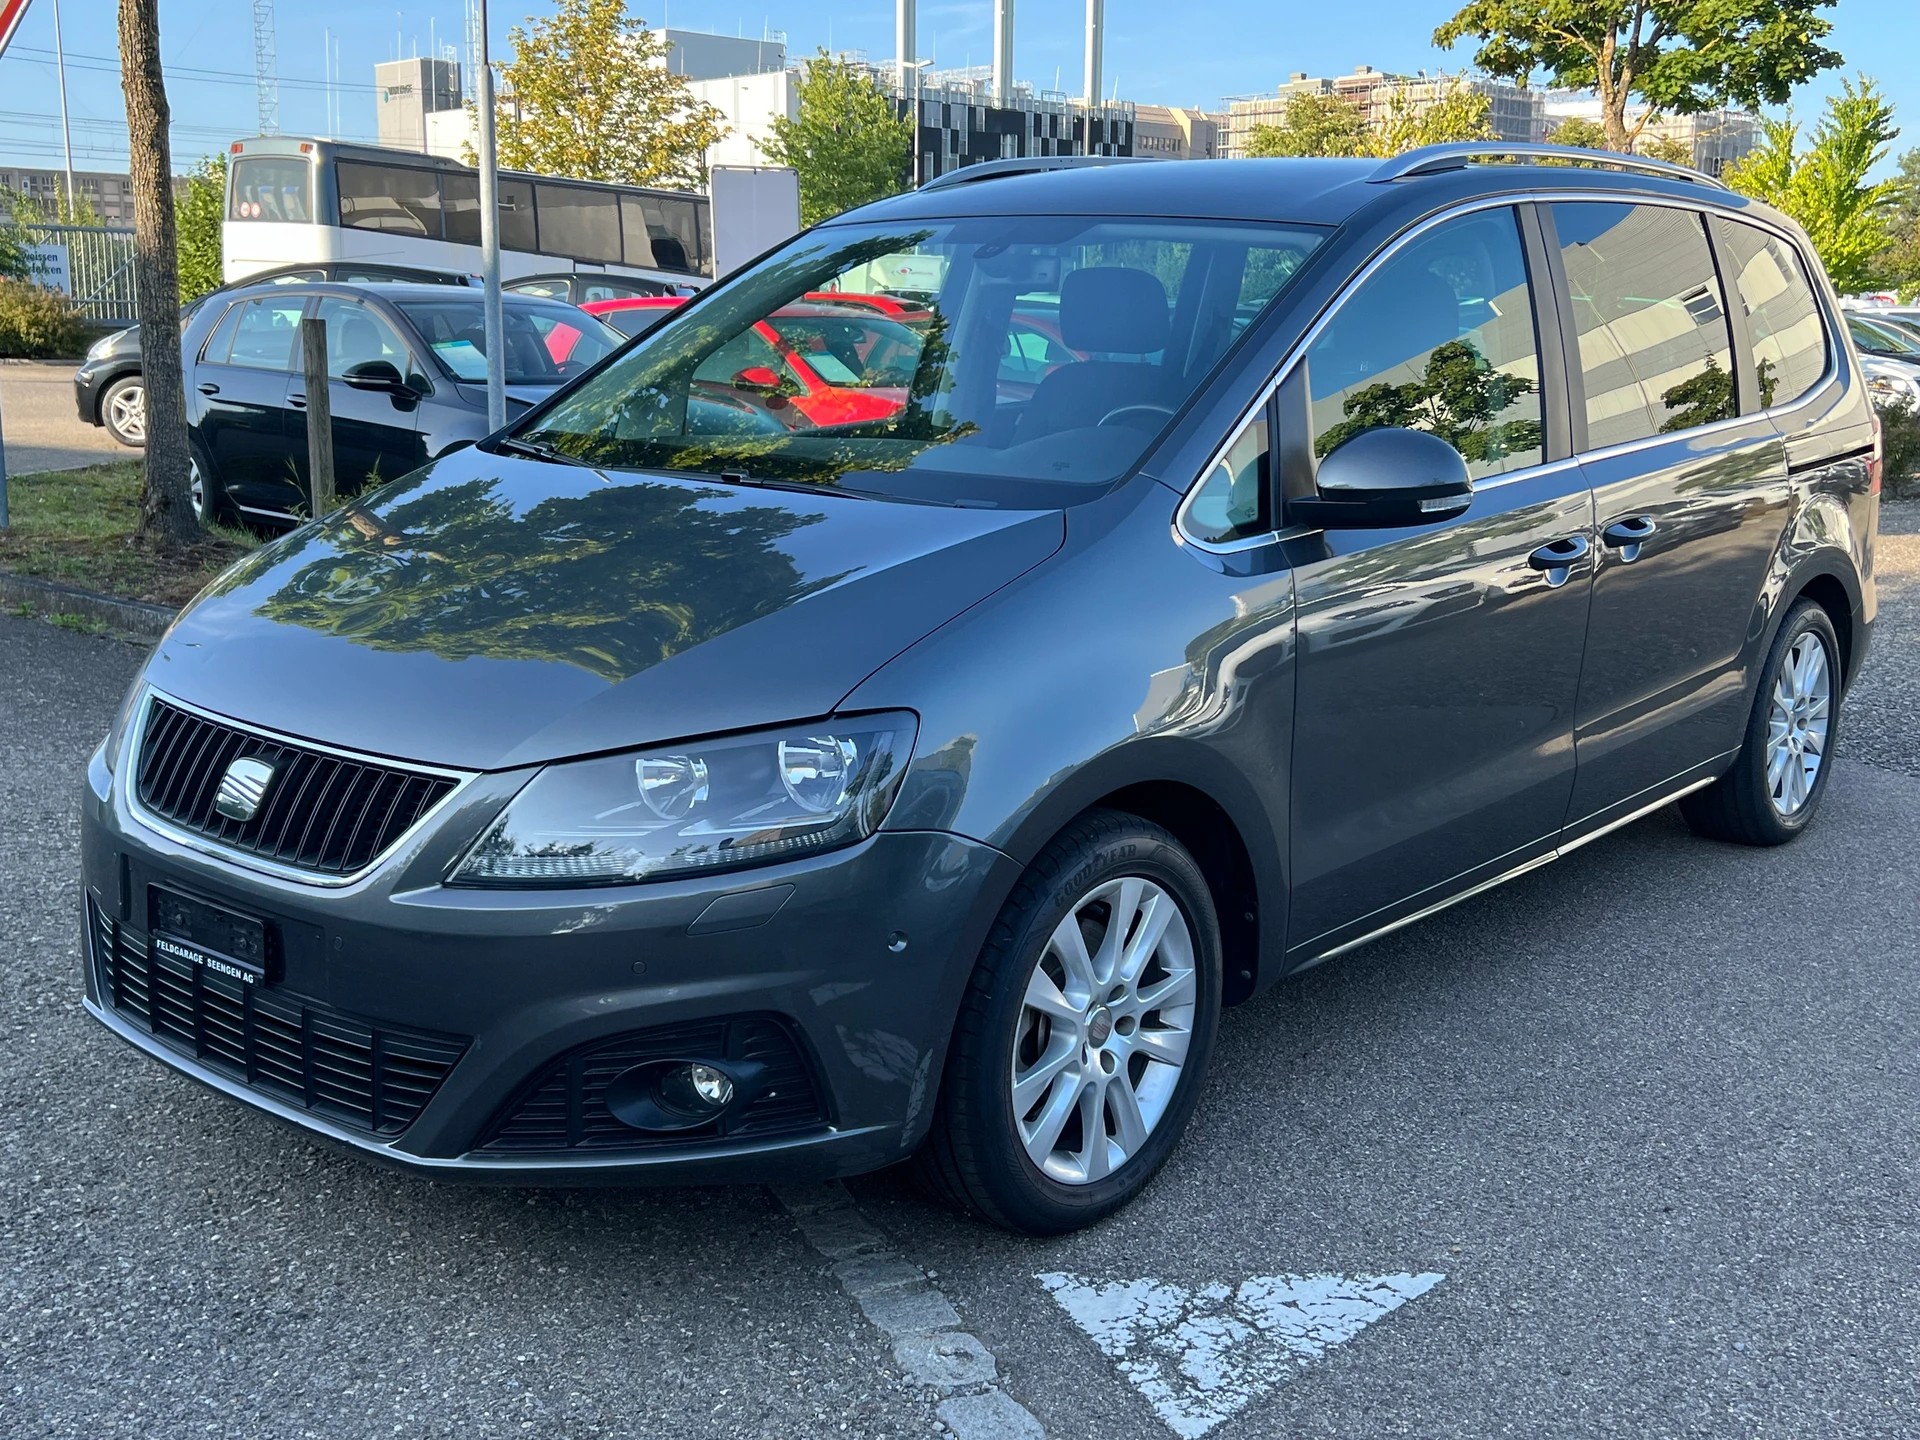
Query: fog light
{"points": [[696, 1090], [711, 1085]]}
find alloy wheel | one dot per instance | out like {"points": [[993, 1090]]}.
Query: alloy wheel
{"points": [[1104, 1030], [127, 414], [197, 491], [1798, 723]]}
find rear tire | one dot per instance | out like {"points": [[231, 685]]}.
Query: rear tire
{"points": [[1105, 1037], [1771, 795]]}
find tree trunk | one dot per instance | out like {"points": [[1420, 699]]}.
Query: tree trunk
{"points": [[166, 511]]}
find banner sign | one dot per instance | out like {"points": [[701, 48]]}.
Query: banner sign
{"points": [[10, 13]]}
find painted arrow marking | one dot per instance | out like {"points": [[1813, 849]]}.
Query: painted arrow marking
{"points": [[1199, 1356]]}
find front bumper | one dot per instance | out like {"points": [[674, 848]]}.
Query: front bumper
{"points": [[862, 963], [86, 393]]}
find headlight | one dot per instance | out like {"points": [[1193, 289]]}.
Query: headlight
{"points": [[1891, 383], [117, 732], [703, 806], [100, 347]]}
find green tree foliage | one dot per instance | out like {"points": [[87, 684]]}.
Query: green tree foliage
{"points": [[1899, 264], [197, 218], [1313, 125], [1460, 398], [588, 94], [847, 144], [28, 210], [1580, 133], [1458, 113], [1670, 148], [1825, 187], [1676, 56]]}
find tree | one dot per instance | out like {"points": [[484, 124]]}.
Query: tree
{"points": [[202, 207], [166, 511], [588, 94], [1313, 125], [1459, 112], [1677, 56], [1899, 263], [1670, 148], [847, 144], [1825, 186], [1580, 133]]}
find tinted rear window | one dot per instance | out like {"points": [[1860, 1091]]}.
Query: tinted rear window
{"points": [[1783, 318]]}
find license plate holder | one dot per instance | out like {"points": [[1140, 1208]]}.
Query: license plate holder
{"points": [[202, 933]]}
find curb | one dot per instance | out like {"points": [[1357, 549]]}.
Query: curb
{"points": [[127, 617]]}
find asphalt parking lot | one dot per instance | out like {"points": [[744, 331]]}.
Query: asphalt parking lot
{"points": [[41, 428], [1627, 1147]]}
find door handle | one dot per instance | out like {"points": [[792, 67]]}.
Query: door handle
{"points": [[298, 402], [209, 389], [1557, 558], [1627, 536]]}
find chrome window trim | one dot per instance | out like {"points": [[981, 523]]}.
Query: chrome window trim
{"points": [[1701, 204], [240, 859]]}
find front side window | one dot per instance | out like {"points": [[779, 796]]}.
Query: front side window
{"points": [[1656, 355], [1044, 355], [267, 334], [357, 334], [544, 344], [1783, 319], [1441, 339], [271, 187]]}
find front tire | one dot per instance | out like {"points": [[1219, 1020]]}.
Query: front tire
{"points": [[1774, 788], [123, 410], [1085, 1033]]}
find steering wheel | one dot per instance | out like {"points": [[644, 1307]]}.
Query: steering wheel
{"points": [[1147, 409]]}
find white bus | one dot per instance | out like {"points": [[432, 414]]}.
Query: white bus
{"points": [[292, 201]]}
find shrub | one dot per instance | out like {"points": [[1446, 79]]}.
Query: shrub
{"points": [[35, 323], [1900, 433]]}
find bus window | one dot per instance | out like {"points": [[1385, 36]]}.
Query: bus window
{"points": [[460, 207], [582, 223], [271, 187], [516, 215], [660, 233], [395, 198]]}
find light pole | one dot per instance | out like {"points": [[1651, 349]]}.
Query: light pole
{"points": [[493, 320], [66, 134], [913, 68]]}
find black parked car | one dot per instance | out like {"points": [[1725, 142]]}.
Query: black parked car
{"points": [[653, 795], [108, 390], [578, 287], [409, 384]]}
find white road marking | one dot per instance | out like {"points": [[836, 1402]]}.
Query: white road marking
{"points": [[1198, 1356], [928, 1344]]}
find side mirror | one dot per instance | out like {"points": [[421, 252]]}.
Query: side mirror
{"points": [[377, 375], [757, 377], [1384, 479]]}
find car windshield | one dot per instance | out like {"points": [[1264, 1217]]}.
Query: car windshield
{"points": [[1871, 335], [545, 343], [997, 361]]}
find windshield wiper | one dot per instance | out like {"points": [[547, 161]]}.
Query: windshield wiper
{"points": [[799, 487], [537, 450]]}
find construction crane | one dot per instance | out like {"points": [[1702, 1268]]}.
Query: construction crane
{"points": [[266, 84]]}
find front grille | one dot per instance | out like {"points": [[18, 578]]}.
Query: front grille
{"points": [[565, 1106], [325, 813], [366, 1077]]}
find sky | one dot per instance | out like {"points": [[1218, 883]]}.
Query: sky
{"points": [[1159, 53]]}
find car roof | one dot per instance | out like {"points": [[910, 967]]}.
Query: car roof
{"points": [[396, 290], [1303, 191]]}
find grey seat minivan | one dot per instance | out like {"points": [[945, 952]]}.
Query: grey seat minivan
{"points": [[675, 788]]}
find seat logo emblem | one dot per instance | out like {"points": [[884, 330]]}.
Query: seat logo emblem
{"points": [[242, 789]]}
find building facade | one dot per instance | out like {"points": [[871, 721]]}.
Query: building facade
{"points": [[1516, 112], [1178, 132], [110, 195], [406, 93], [1716, 138]]}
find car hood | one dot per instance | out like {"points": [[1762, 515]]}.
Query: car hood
{"points": [[489, 611]]}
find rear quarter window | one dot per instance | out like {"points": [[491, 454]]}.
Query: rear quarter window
{"points": [[1787, 331]]}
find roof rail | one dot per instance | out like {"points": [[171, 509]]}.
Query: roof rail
{"points": [[1032, 165], [1435, 159]]}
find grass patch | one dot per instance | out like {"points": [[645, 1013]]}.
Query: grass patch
{"points": [[77, 527]]}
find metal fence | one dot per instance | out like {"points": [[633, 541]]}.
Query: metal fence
{"points": [[91, 264]]}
